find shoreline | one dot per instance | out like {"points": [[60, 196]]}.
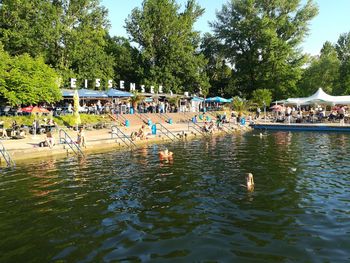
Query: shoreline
{"points": [[98, 141]]}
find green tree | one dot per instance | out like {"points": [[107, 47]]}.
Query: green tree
{"points": [[69, 35], [127, 62], [80, 50], [219, 73], [28, 81], [261, 39], [168, 45], [323, 71], [343, 50], [27, 26], [262, 97], [4, 67]]}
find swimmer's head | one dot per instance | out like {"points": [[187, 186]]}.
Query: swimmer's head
{"points": [[250, 178]]}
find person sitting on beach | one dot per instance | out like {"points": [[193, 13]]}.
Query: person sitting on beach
{"points": [[81, 140], [211, 126], [194, 119], [299, 117], [141, 133], [206, 127], [333, 115], [165, 154], [48, 142]]}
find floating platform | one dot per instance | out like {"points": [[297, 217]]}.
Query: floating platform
{"points": [[316, 127]]}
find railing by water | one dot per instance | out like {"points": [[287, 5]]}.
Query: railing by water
{"points": [[144, 117], [6, 156], [121, 117], [196, 127], [64, 138], [213, 114], [225, 129], [122, 136], [165, 117], [165, 131]]}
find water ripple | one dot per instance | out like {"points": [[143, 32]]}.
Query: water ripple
{"points": [[130, 206]]}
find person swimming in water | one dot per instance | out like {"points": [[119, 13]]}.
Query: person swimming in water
{"points": [[166, 154], [250, 182]]}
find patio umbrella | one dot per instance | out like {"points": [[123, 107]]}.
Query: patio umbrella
{"points": [[36, 109], [76, 108], [276, 108], [217, 99]]}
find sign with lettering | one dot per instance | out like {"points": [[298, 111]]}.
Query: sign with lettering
{"points": [[132, 87]]}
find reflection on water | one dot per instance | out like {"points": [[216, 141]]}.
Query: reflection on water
{"points": [[130, 206]]}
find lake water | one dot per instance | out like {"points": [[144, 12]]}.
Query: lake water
{"points": [[129, 206]]}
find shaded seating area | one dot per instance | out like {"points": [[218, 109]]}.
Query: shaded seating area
{"points": [[317, 108]]}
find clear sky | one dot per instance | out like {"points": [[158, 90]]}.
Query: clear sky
{"points": [[333, 19]]}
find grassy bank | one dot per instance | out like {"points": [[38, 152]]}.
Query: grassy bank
{"points": [[64, 120]]}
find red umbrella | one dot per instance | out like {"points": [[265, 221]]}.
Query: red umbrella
{"points": [[27, 109], [36, 109], [276, 107]]}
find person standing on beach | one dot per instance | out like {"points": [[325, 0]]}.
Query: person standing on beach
{"points": [[81, 141], [3, 132], [49, 139]]}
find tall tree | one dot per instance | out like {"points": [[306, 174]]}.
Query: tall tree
{"points": [[27, 26], [168, 44], [322, 72], [343, 50], [127, 62], [218, 71], [261, 40], [69, 35]]}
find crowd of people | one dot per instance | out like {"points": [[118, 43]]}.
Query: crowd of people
{"points": [[318, 114], [14, 132], [120, 107]]}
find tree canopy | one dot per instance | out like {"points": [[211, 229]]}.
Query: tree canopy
{"points": [[69, 35], [323, 72], [261, 41], [25, 80], [168, 44], [343, 51]]}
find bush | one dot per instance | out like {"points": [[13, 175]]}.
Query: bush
{"points": [[65, 120]]}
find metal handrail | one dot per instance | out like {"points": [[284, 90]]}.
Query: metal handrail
{"points": [[225, 129], [196, 127], [66, 139], [212, 113], [164, 116], [142, 117], [230, 126], [167, 132], [121, 116], [7, 156], [123, 137]]}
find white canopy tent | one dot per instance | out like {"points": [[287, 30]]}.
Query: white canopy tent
{"points": [[320, 97]]}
